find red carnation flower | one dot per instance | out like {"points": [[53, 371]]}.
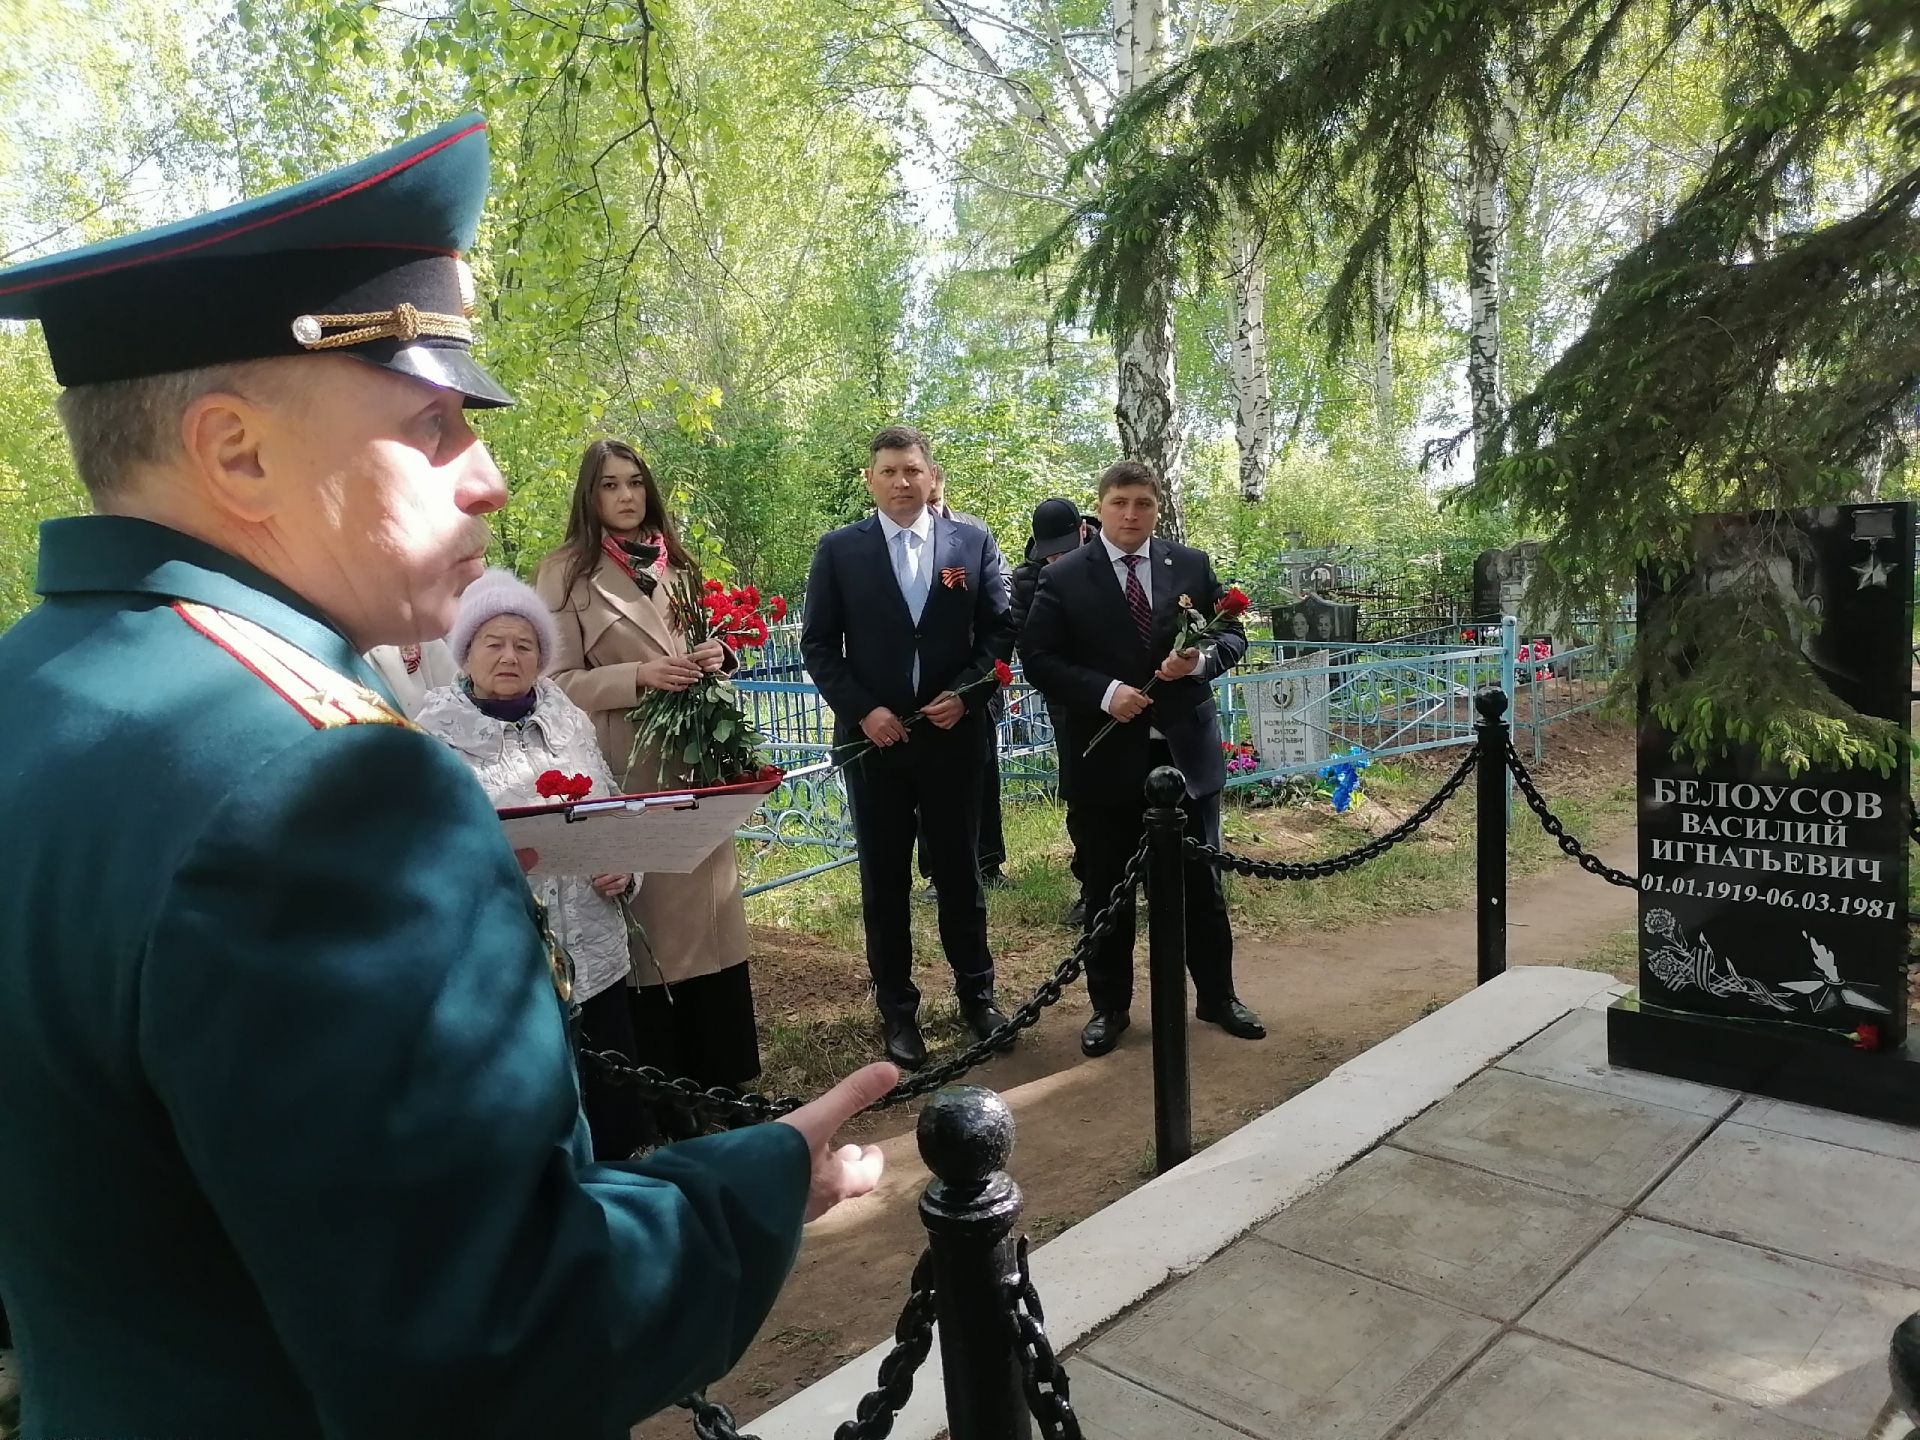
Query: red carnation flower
{"points": [[1003, 672], [551, 785], [579, 787], [1866, 1036], [732, 639], [714, 587], [1233, 604], [756, 629], [750, 595], [777, 609]]}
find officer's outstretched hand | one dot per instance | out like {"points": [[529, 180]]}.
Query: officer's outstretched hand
{"points": [[852, 1170]]}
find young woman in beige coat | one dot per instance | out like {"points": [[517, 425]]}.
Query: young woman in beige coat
{"points": [[609, 586]]}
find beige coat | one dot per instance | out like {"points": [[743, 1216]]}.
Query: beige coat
{"points": [[697, 924]]}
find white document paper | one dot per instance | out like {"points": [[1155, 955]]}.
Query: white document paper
{"points": [[669, 834]]}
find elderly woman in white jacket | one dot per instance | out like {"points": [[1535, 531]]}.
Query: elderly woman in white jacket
{"points": [[511, 726]]}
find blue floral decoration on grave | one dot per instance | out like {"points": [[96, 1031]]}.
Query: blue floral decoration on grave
{"points": [[1345, 775]]}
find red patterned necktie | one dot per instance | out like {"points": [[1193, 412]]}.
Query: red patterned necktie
{"points": [[1137, 599]]}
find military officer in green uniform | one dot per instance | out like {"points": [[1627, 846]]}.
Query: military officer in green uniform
{"points": [[290, 1141]]}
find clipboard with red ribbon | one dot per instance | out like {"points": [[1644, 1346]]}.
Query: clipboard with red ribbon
{"points": [[669, 832]]}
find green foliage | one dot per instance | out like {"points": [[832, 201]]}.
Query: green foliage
{"points": [[1749, 691], [1753, 347]]}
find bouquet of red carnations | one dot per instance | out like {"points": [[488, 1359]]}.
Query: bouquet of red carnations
{"points": [[701, 731], [557, 785], [1191, 631]]}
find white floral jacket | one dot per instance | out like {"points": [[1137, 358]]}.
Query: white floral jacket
{"points": [[509, 759]]}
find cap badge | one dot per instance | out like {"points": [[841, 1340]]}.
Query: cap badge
{"points": [[404, 323]]}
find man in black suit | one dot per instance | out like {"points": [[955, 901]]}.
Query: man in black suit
{"points": [[1100, 628], [904, 613]]}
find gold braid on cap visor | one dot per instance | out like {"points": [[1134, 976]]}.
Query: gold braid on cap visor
{"points": [[403, 323]]}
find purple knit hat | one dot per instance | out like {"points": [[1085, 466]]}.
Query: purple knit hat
{"points": [[501, 592]]}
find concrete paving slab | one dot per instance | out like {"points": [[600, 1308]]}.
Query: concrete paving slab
{"points": [[1479, 1242], [1797, 1339], [1528, 1389], [1287, 1348], [1113, 1408], [1822, 1202], [1574, 1052], [1783, 1117], [1574, 1140]]}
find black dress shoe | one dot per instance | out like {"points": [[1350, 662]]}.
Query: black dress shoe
{"points": [[1234, 1018], [983, 1019], [1077, 916], [905, 1048], [1103, 1031]]}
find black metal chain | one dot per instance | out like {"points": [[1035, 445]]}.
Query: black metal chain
{"points": [[1045, 1377], [711, 1419], [912, 1338], [1550, 822], [879, 1407], [1049, 993], [731, 1109], [1372, 850]]}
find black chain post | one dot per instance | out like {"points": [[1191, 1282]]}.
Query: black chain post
{"points": [[1167, 968], [970, 1208], [1903, 1369], [1490, 821]]}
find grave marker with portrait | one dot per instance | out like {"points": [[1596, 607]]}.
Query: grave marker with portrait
{"points": [[1314, 621], [1291, 714]]}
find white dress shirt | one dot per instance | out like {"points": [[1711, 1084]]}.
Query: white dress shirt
{"points": [[1117, 558], [922, 529]]}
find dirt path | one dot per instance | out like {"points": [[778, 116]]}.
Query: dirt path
{"points": [[1086, 1126]]}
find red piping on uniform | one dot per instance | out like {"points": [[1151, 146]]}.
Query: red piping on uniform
{"points": [[264, 221]]}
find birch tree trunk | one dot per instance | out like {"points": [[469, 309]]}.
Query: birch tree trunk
{"points": [[1253, 397], [1380, 316], [1144, 409], [1483, 279]]}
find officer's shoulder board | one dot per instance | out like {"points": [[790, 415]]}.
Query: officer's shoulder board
{"points": [[323, 696]]}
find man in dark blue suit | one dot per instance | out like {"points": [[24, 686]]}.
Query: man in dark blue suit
{"points": [[1100, 630], [903, 615]]}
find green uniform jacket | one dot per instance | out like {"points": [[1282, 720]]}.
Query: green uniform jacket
{"points": [[290, 1140]]}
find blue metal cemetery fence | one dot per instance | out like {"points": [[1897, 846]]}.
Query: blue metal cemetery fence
{"points": [[1393, 697]]}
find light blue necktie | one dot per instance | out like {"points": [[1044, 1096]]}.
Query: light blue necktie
{"points": [[912, 575]]}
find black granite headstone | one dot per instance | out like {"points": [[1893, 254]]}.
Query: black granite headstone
{"points": [[1312, 621], [1774, 904]]}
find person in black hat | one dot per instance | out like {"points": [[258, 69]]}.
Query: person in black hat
{"points": [[1058, 527], [293, 1145]]}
